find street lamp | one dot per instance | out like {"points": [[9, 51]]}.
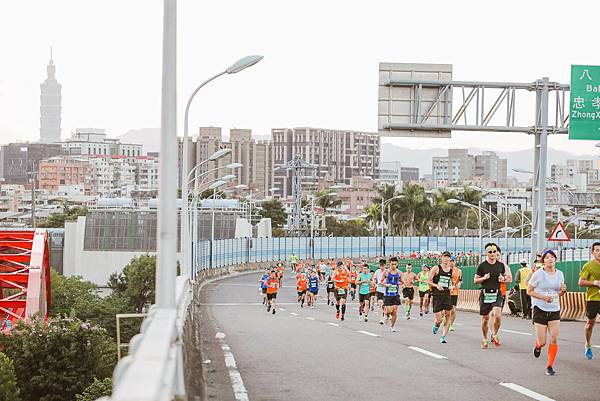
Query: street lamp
{"points": [[236, 67], [383, 203], [480, 210]]}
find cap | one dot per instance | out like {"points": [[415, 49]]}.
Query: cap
{"points": [[523, 261], [446, 253], [340, 263], [452, 258]]}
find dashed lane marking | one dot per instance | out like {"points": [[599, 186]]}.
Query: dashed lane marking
{"points": [[526, 391], [516, 332], [281, 309], [310, 318], [293, 314], [367, 333], [428, 353], [239, 390], [333, 324]]}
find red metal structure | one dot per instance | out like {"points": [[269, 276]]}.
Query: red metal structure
{"points": [[24, 276]]}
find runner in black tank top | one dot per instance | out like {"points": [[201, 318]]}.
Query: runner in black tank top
{"points": [[440, 279]]}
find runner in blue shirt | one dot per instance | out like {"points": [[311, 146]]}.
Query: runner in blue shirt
{"points": [[263, 285], [313, 288]]}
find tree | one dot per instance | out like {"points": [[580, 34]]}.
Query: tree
{"points": [[57, 359], [443, 211], [57, 220], [327, 201], [273, 209], [8, 382], [351, 228], [137, 281], [98, 388], [414, 205]]}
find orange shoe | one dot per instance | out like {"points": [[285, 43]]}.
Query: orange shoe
{"points": [[496, 340]]}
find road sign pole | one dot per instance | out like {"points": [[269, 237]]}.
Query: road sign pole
{"points": [[543, 161]]}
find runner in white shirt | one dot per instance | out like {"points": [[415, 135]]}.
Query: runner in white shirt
{"points": [[379, 275]]}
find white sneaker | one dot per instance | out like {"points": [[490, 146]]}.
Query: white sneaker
{"points": [[393, 329], [381, 321], [312, 307], [360, 318]]}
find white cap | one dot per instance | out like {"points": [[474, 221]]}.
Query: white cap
{"points": [[523, 261]]}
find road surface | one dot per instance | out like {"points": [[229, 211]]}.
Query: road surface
{"points": [[306, 354]]}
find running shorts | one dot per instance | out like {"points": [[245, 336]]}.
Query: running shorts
{"points": [[353, 286], [301, 292], [423, 293], [408, 293], [314, 291], [592, 309], [364, 297], [441, 301], [340, 294], [330, 289], [264, 290], [379, 295], [543, 317], [271, 296], [486, 307], [454, 299], [373, 294], [391, 301]]}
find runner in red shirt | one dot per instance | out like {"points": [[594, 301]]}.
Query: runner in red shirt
{"points": [[272, 288]]}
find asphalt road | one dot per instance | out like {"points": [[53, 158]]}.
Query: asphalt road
{"points": [[306, 354]]}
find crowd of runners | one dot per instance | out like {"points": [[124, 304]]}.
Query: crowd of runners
{"points": [[381, 292]]}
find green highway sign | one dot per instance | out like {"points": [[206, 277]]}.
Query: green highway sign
{"points": [[584, 113]]}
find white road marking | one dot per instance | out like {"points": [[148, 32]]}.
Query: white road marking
{"points": [[596, 346], [334, 324], [516, 332], [367, 333], [293, 314], [239, 390], [428, 353], [281, 309], [310, 318], [245, 304], [459, 324], [526, 391]]}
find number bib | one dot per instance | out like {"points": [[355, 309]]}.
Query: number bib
{"points": [[393, 290], [444, 281], [490, 296], [380, 288], [341, 291]]}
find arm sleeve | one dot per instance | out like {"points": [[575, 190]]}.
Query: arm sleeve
{"points": [[479, 271]]}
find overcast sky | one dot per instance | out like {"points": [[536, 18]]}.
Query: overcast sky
{"points": [[320, 66]]}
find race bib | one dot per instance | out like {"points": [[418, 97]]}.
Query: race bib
{"points": [[490, 297], [380, 288], [444, 281], [393, 289], [341, 291]]}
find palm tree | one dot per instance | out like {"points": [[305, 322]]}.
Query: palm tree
{"points": [[413, 205], [471, 196], [387, 192], [327, 201], [444, 211]]}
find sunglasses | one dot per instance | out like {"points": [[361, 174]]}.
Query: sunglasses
{"points": [[491, 252]]}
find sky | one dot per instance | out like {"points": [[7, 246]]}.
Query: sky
{"points": [[320, 64]]}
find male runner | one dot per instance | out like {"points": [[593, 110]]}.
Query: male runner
{"points": [[293, 261], [263, 285], [373, 290], [272, 287], [590, 278], [490, 273], [353, 277], [408, 292], [391, 300], [341, 281], [379, 274], [301, 285], [424, 290], [364, 292], [280, 271], [455, 287], [313, 288], [440, 280]]}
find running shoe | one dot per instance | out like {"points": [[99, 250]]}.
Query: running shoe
{"points": [[434, 329], [452, 327], [342, 318], [427, 311], [443, 340], [588, 353], [496, 340], [269, 308], [393, 329], [273, 310], [381, 322], [408, 317], [485, 344], [366, 319], [420, 313], [312, 307], [360, 318], [536, 352], [550, 371]]}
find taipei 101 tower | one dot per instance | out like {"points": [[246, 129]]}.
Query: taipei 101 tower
{"points": [[50, 108]]}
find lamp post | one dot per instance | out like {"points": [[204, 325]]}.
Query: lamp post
{"points": [[238, 66], [312, 212], [251, 198], [480, 210], [383, 203]]}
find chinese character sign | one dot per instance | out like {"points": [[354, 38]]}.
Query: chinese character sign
{"points": [[584, 114]]}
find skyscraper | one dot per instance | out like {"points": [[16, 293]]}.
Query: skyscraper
{"points": [[50, 106]]}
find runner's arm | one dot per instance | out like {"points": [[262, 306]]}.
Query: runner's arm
{"points": [[507, 274], [584, 282]]}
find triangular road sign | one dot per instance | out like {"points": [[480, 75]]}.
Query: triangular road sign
{"points": [[559, 233]]}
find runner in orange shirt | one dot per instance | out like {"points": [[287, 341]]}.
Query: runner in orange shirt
{"points": [[341, 280], [272, 288], [353, 277], [301, 285]]}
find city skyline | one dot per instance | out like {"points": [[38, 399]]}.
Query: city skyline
{"points": [[96, 64]]}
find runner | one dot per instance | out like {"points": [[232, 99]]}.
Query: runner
{"points": [[340, 279], [280, 271], [522, 278], [424, 290], [272, 288], [391, 279], [263, 285], [545, 287], [380, 287], [440, 280], [293, 261], [490, 273], [330, 290], [353, 277], [590, 278], [408, 292], [301, 285], [364, 292], [313, 288], [373, 290], [454, 288]]}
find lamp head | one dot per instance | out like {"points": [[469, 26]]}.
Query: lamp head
{"points": [[219, 154], [242, 64]]}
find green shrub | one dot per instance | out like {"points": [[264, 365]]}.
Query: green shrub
{"points": [[8, 383], [98, 388]]}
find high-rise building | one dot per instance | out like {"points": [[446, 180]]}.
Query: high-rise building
{"points": [[459, 168], [337, 154], [50, 106], [19, 160], [393, 173]]}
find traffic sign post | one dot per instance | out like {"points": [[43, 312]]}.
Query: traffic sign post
{"points": [[559, 234], [584, 113]]}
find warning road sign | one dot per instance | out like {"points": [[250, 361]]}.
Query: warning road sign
{"points": [[559, 233]]}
